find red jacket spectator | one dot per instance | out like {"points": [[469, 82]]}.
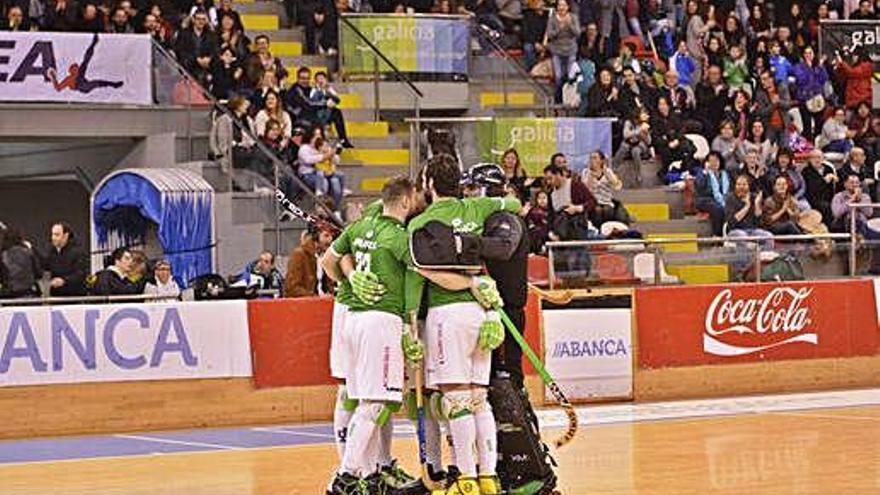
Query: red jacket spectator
{"points": [[858, 82]]}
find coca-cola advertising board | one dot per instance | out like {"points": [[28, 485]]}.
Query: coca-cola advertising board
{"points": [[718, 324]]}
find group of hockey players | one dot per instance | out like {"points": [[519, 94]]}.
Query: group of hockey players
{"points": [[452, 263]]}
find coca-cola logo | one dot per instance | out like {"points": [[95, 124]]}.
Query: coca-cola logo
{"points": [[739, 326]]}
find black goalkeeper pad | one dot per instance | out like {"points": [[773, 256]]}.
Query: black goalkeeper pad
{"points": [[436, 246], [523, 459]]}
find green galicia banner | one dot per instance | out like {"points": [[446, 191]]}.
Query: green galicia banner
{"points": [[415, 44], [536, 140]]}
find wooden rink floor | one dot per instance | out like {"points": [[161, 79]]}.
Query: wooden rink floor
{"points": [[825, 443]]}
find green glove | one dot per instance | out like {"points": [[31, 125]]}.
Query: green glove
{"points": [[413, 348], [486, 293], [491, 332], [366, 286]]}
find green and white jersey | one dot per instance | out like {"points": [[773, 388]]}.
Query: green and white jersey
{"points": [[343, 288], [379, 244], [465, 216]]}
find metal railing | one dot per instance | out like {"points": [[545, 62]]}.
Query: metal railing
{"points": [[522, 74], [37, 301], [739, 244]]}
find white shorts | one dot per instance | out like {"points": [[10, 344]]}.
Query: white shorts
{"points": [[375, 365], [337, 350], [452, 355]]}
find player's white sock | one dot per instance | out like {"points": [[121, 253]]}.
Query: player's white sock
{"points": [[457, 405], [386, 432], [360, 455], [342, 414], [487, 435]]}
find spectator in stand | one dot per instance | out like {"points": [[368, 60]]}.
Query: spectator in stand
{"points": [[743, 210], [603, 97], [636, 142], [262, 274], [119, 22], [138, 272], [712, 98], [856, 76], [273, 139], [152, 26], [727, 145], [608, 9], [756, 172], [66, 263], [229, 144], [230, 35], [836, 136], [262, 60], [226, 75], [781, 211], [860, 122], [821, 180], [533, 27], [311, 154], [856, 165], [19, 266], [716, 52], [91, 20], [268, 83], [113, 280], [697, 26], [15, 20], [785, 167], [572, 204], [810, 78], [736, 70], [325, 100], [591, 45], [60, 15], [538, 222], [772, 103], [561, 38], [517, 178], [196, 47], [758, 142], [683, 64], [666, 133], [739, 112], [711, 189], [322, 33], [780, 66], [296, 100], [206, 7], [681, 98], [273, 110], [864, 12], [852, 194], [602, 183], [734, 34], [632, 93], [302, 268], [162, 285], [227, 10]]}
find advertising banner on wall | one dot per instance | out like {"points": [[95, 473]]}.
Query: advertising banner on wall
{"points": [[75, 67], [537, 139], [119, 342], [589, 352], [415, 44], [719, 324]]}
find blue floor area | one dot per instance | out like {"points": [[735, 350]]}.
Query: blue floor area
{"points": [[203, 440]]}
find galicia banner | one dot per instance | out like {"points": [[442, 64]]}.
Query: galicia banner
{"points": [[75, 67], [589, 352], [536, 140], [119, 342], [415, 44]]}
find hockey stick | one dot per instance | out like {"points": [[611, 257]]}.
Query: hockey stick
{"points": [[420, 410], [297, 212], [547, 379]]}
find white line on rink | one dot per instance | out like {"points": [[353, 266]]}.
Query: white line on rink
{"points": [[629, 413], [176, 442], [284, 431], [847, 417]]}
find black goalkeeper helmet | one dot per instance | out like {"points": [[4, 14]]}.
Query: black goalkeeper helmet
{"points": [[485, 175]]}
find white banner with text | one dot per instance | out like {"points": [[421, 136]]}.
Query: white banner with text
{"points": [[75, 67], [119, 342], [589, 352]]}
